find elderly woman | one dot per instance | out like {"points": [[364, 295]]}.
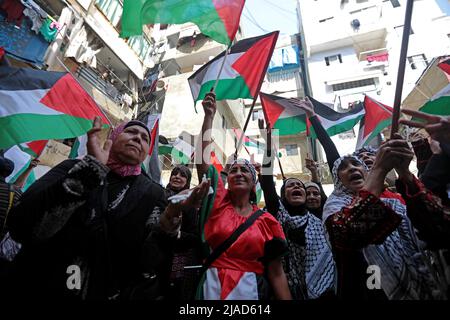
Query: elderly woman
{"points": [[369, 230], [83, 225], [251, 267], [309, 265]]}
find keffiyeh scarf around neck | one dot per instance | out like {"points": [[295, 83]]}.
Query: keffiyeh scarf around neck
{"points": [[405, 270], [310, 267]]}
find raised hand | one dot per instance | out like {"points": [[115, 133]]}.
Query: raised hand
{"points": [[94, 147], [438, 127], [394, 154], [193, 198], [209, 104], [311, 165], [304, 104]]}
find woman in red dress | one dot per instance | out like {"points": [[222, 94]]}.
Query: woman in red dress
{"points": [[251, 268]]}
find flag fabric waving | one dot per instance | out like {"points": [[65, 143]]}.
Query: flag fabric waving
{"points": [[218, 19], [38, 105], [377, 117], [283, 115], [243, 71]]}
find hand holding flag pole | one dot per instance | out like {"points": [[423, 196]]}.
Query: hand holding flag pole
{"points": [[401, 67]]}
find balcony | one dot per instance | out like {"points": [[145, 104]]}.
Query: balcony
{"points": [[364, 29], [190, 47], [374, 59]]}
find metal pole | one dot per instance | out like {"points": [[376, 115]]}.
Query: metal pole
{"points": [[241, 138], [401, 67], [221, 68]]}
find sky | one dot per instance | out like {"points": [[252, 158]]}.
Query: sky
{"points": [[264, 16]]}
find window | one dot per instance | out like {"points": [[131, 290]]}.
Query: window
{"points": [[354, 84], [418, 61], [255, 115], [335, 59], [291, 150], [112, 9], [140, 45]]}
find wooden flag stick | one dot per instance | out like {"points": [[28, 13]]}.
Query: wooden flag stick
{"points": [[401, 67]]}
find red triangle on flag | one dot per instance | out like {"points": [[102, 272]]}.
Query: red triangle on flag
{"points": [[376, 112], [37, 146], [444, 65], [67, 96], [153, 136], [229, 12], [271, 109], [253, 64], [215, 162]]}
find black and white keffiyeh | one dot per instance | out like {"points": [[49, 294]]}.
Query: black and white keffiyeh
{"points": [[309, 265], [406, 273]]}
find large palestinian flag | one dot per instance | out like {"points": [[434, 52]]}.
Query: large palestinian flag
{"points": [[218, 19], [283, 115], [38, 105], [243, 71], [439, 104], [377, 117]]}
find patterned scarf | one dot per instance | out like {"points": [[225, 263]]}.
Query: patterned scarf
{"points": [[311, 265], [406, 273], [116, 165]]}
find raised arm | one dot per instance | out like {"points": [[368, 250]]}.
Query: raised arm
{"points": [[209, 107], [266, 177], [331, 152]]}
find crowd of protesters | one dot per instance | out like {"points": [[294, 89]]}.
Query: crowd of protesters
{"points": [[99, 228]]}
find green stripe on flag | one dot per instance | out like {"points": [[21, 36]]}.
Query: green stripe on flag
{"points": [[32, 127], [289, 126], [226, 89], [201, 12], [440, 106], [380, 126], [340, 127]]}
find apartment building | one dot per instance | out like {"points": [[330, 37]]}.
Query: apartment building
{"points": [[353, 46]]}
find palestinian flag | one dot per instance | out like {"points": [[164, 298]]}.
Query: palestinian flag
{"points": [[256, 145], [444, 64], [180, 151], [216, 162], [243, 71], [79, 148], [21, 161], [439, 104], [377, 117], [38, 105], [283, 115], [218, 19]]}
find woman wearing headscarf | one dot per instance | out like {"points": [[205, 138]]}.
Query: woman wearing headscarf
{"points": [[309, 265], [251, 267], [315, 196], [83, 225], [179, 250], [373, 241]]}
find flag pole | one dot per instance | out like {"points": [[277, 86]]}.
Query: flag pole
{"points": [[241, 138], [257, 92], [279, 163], [401, 67], [100, 108], [221, 67]]}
